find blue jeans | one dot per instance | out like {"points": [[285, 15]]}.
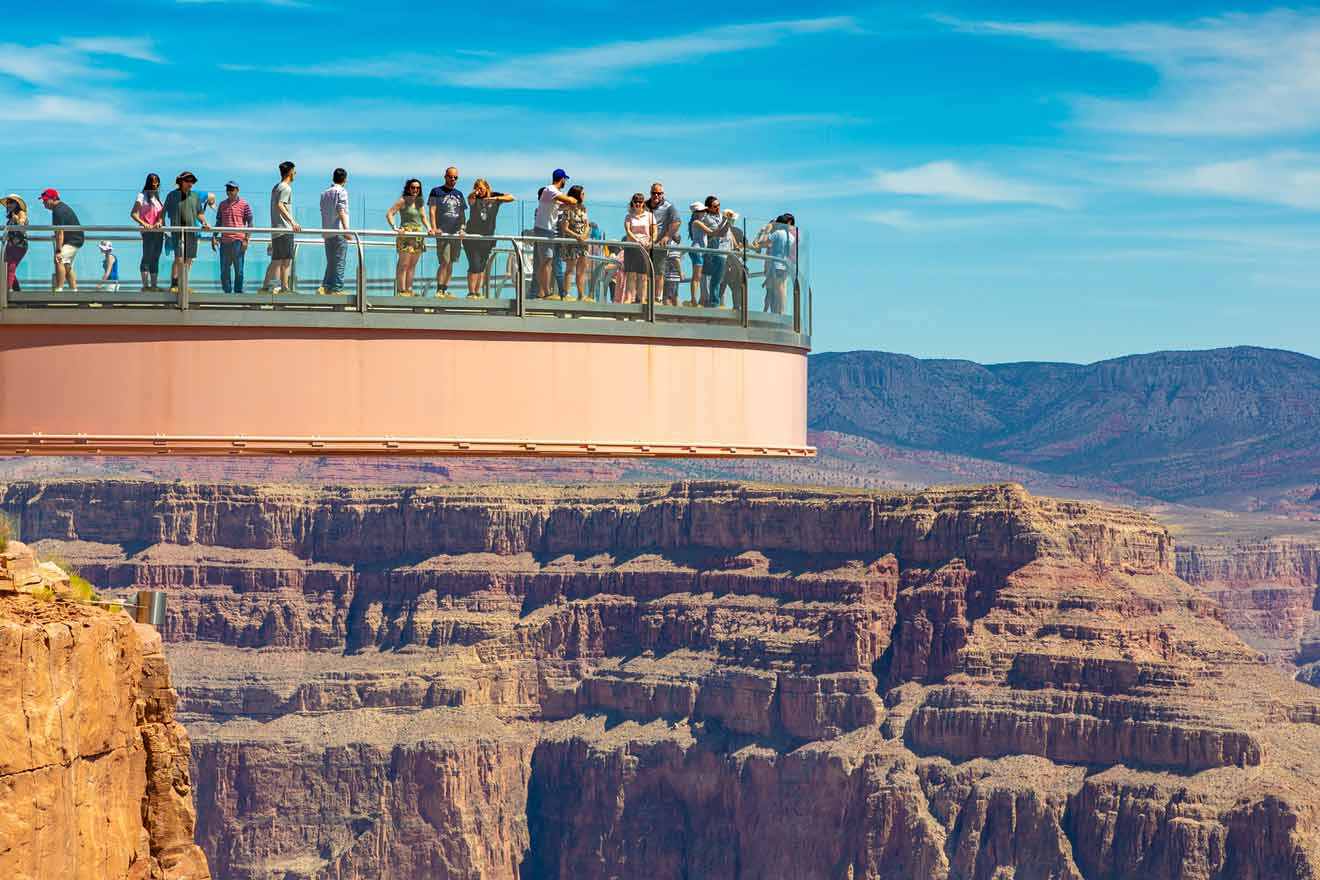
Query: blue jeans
{"points": [[713, 278], [336, 260], [231, 263], [559, 269]]}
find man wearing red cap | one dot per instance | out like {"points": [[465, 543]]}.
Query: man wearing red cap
{"points": [[66, 243]]}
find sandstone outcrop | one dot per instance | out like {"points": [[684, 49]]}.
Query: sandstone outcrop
{"points": [[94, 769], [704, 679], [1270, 593]]}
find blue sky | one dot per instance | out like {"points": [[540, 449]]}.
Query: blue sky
{"points": [[996, 181]]}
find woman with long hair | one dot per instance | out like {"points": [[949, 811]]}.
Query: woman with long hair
{"points": [[574, 223], [411, 211], [639, 230], [16, 241], [483, 210], [149, 213], [714, 225]]}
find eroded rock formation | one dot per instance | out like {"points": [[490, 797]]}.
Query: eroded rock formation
{"points": [[1270, 592], [708, 680], [94, 769]]}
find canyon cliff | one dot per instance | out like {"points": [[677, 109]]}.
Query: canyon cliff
{"points": [[94, 769], [701, 680], [1270, 592]]}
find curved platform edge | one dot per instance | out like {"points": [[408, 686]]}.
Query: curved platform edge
{"points": [[82, 444]]}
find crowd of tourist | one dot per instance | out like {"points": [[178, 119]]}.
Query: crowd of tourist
{"points": [[645, 260]]}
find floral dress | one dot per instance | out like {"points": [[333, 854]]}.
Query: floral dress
{"points": [[575, 224], [412, 218]]}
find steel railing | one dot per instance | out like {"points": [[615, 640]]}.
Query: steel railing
{"points": [[605, 257]]}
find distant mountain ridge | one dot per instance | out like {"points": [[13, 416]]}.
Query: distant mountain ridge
{"points": [[1172, 424]]}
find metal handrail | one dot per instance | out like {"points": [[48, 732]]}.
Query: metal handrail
{"points": [[521, 246]]}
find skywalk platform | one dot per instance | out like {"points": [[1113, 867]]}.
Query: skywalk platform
{"points": [[365, 372]]}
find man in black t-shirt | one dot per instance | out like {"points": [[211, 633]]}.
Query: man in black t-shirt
{"points": [[66, 243]]}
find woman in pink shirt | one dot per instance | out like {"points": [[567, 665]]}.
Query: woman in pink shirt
{"points": [[639, 229], [149, 213]]}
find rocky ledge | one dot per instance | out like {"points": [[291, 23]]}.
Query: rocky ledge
{"points": [[94, 769], [704, 679]]}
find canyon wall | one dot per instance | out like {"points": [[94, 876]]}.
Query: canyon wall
{"points": [[703, 679], [95, 778], [1270, 592]]}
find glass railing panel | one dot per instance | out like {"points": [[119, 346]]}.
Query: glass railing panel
{"points": [[763, 269], [773, 292]]}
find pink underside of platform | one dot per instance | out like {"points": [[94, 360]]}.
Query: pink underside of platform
{"points": [[233, 382]]}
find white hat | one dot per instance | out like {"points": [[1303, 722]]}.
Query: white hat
{"points": [[697, 206], [106, 247]]}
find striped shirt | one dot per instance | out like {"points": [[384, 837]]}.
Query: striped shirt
{"points": [[233, 213], [334, 200]]}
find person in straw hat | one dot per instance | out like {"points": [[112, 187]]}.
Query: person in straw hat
{"points": [[16, 242]]}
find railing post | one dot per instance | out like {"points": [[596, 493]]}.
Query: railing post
{"points": [[747, 277], [185, 270], [361, 275], [650, 276], [520, 275], [795, 242]]}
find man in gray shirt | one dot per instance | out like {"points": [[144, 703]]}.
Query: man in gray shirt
{"points": [[667, 227], [281, 244]]}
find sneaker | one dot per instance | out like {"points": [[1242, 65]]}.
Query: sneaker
{"points": [[321, 291]]}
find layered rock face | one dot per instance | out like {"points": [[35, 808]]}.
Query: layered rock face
{"points": [[1270, 592], [94, 768], [702, 680]]}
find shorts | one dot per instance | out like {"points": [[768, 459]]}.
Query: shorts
{"points": [[544, 251], [185, 245], [572, 252], [281, 246], [68, 252], [478, 253], [634, 260], [410, 244], [448, 248], [658, 257], [695, 257]]}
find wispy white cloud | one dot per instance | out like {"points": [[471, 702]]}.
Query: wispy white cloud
{"points": [[1284, 178], [586, 66], [57, 109], [69, 62], [579, 67], [955, 182], [1233, 74], [134, 48]]}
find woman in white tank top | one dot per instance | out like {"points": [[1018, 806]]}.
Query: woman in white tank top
{"points": [[639, 230]]}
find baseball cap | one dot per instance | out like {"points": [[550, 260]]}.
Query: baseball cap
{"points": [[560, 174], [106, 247], [697, 206], [49, 193], [186, 175], [231, 185]]}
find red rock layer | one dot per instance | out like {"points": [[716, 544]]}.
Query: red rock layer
{"points": [[702, 680]]}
